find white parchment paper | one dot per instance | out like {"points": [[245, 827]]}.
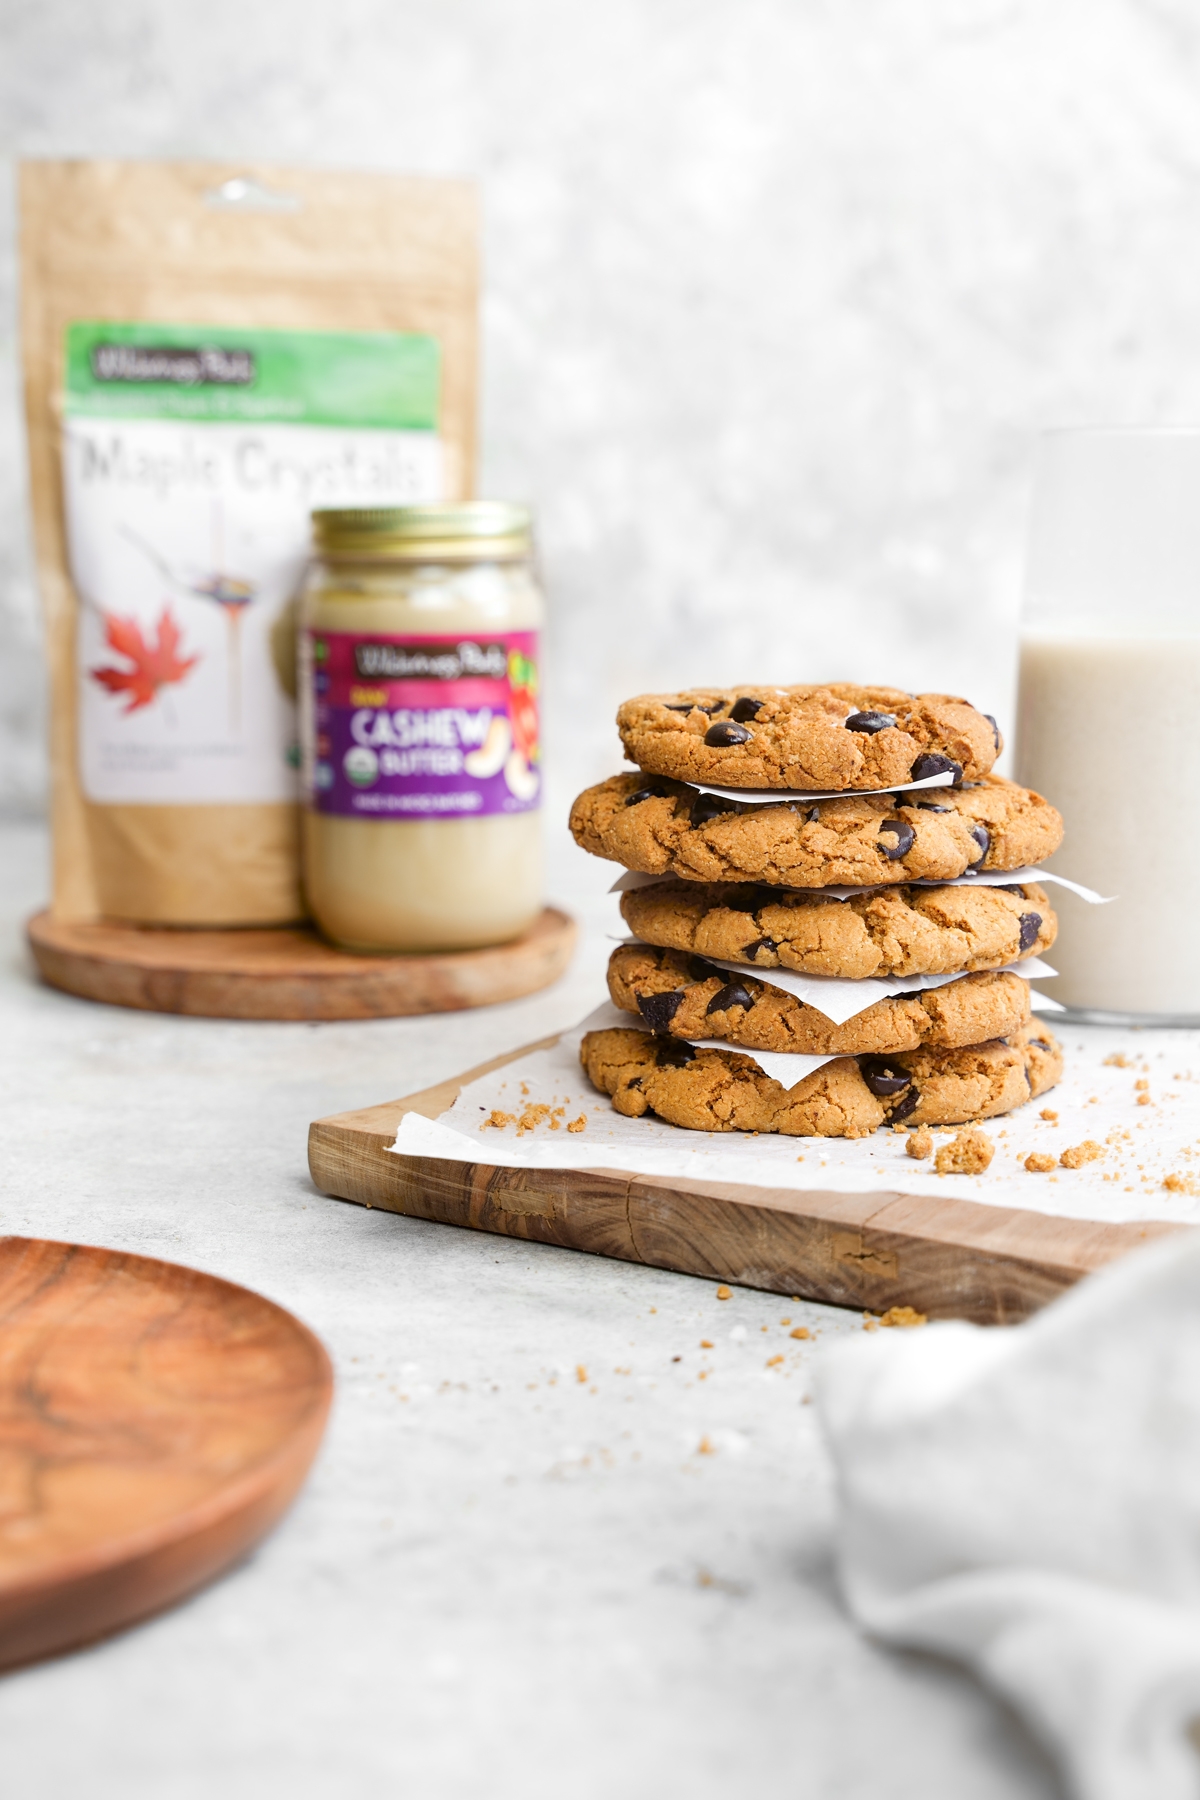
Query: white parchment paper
{"points": [[838, 997], [1097, 1100], [783, 796], [634, 878]]}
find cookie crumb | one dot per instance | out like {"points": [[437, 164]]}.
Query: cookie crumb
{"points": [[967, 1154], [1180, 1184], [580, 1372], [801, 1331], [706, 1343], [499, 1120], [1118, 1060], [724, 1293], [920, 1142], [1078, 1154], [773, 1361], [1144, 1100], [1037, 1164], [902, 1130], [903, 1316], [531, 1118], [1049, 1114], [579, 1124], [706, 1447]]}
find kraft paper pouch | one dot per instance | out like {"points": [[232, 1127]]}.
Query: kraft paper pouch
{"points": [[210, 351]]}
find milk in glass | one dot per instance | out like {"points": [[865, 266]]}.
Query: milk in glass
{"points": [[1109, 710]]}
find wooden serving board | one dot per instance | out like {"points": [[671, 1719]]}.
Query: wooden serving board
{"points": [[948, 1258], [287, 974], [154, 1424]]}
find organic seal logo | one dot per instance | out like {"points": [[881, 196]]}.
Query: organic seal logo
{"points": [[361, 766]]}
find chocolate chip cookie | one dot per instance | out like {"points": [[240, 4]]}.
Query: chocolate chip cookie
{"points": [[862, 840], [832, 737], [718, 1090], [892, 931], [685, 997]]}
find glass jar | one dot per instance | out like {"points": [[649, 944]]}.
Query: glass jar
{"points": [[419, 726], [1109, 699]]}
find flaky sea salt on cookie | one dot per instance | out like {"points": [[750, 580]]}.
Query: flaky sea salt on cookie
{"points": [[833, 737]]}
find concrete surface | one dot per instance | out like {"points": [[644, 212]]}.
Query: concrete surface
{"points": [[500, 1579]]}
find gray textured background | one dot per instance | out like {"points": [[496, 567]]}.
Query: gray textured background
{"points": [[778, 291]]}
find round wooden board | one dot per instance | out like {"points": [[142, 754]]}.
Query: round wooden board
{"points": [[154, 1424], [288, 974]]}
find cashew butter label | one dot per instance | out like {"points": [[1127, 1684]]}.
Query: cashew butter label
{"points": [[420, 727], [192, 456]]}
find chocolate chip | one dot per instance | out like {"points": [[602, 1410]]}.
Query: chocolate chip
{"points": [[748, 901], [995, 730], [659, 1009], [673, 1053], [881, 1078], [908, 1104], [870, 722], [745, 709], [904, 838], [733, 994], [714, 706], [636, 1082], [707, 806], [725, 733], [701, 970], [931, 763], [1031, 924], [813, 816], [684, 707], [983, 838], [646, 793], [929, 806], [752, 950]]}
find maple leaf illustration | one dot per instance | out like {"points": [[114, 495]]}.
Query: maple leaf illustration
{"points": [[155, 665]]}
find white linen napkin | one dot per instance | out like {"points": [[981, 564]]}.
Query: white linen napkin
{"points": [[1027, 1500]]}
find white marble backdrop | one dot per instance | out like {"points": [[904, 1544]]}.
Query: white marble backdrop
{"points": [[778, 291]]}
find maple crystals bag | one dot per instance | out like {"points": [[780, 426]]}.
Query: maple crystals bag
{"points": [[209, 353]]}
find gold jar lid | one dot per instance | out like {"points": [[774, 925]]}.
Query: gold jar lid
{"points": [[441, 531]]}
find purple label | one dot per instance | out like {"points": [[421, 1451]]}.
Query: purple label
{"points": [[421, 727]]}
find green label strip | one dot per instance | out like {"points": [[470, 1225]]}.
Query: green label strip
{"points": [[378, 380]]}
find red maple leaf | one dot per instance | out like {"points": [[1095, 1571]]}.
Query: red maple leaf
{"points": [[154, 665]]}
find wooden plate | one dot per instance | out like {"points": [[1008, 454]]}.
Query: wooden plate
{"points": [[949, 1258], [154, 1424], [288, 974]]}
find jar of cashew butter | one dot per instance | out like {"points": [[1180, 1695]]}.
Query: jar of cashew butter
{"points": [[419, 726]]}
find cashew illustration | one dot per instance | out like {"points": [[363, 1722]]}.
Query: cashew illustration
{"points": [[522, 781], [489, 758]]}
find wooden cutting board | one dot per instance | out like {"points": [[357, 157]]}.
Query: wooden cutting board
{"points": [[154, 1424], [948, 1258], [288, 974]]}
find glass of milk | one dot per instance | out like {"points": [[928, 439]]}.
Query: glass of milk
{"points": [[1109, 712]]}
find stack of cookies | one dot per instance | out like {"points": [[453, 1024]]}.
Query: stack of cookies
{"points": [[780, 848]]}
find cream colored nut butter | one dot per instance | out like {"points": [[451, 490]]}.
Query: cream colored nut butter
{"points": [[419, 726]]}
